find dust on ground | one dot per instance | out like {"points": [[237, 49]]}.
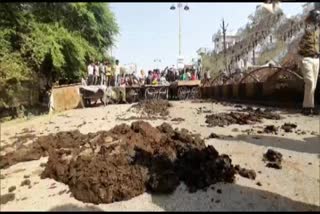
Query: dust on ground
{"points": [[153, 107], [247, 116]]}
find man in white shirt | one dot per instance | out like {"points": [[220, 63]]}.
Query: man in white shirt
{"points": [[117, 73], [90, 74], [96, 74]]}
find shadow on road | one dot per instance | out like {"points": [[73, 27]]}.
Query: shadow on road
{"points": [[307, 145], [73, 207], [233, 198]]}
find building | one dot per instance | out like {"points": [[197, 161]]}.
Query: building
{"points": [[202, 51], [217, 40]]}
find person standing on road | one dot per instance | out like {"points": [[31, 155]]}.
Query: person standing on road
{"points": [[90, 74], [309, 51], [117, 74], [102, 74], [108, 72]]}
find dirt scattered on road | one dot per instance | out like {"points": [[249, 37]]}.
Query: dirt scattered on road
{"points": [[153, 107], [12, 188], [242, 117], [213, 135], [270, 129], [288, 127], [26, 182], [226, 119], [178, 119], [141, 118], [273, 159], [5, 198], [247, 173]]}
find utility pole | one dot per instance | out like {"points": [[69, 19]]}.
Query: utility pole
{"points": [[224, 30]]}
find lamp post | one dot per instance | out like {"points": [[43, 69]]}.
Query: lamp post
{"points": [[186, 7]]}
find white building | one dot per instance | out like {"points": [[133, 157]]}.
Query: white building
{"points": [[217, 40]]}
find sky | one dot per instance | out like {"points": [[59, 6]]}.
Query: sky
{"points": [[149, 31]]}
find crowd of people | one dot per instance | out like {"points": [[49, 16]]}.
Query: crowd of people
{"points": [[112, 75]]}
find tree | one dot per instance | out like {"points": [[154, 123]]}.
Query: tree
{"points": [[55, 40]]}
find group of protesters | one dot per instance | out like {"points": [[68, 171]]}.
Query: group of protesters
{"points": [[103, 73], [110, 74]]}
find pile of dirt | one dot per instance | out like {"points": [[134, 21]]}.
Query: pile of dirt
{"points": [[273, 159], [178, 119], [5, 198], [287, 127], [247, 173], [128, 160], [153, 107], [226, 119], [270, 129], [266, 114], [246, 116], [40, 147]]}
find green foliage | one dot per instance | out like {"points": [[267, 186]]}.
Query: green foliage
{"points": [[56, 40], [270, 54]]}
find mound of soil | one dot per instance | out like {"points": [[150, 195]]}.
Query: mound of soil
{"points": [[246, 116], [273, 159], [270, 129], [126, 161], [247, 173], [226, 119], [267, 114], [153, 107], [288, 127], [5, 198]]}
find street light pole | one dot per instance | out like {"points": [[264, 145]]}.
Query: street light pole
{"points": [[186, 7], [179, 7]]}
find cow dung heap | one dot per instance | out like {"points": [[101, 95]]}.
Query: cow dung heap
{"points": [[128, 160], [153, 107], [251, 117]]}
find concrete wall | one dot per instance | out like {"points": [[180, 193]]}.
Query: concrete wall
{"points": [[66, 97]]}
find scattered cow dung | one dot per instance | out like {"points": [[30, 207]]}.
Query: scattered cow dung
{"points": [[26, 182], [313, 133], [251, 117], [235, 130], [270, 129], [24, 198], [5, 198], [43, 165], [213, 135], [153, 107], [219, 191], [26, 176], [139, 158], [287, 127], [178, 119], [259, 183], [12, 188], [62, 192], [247, 173], [218, 201], [2, 177], [273, 159]]}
